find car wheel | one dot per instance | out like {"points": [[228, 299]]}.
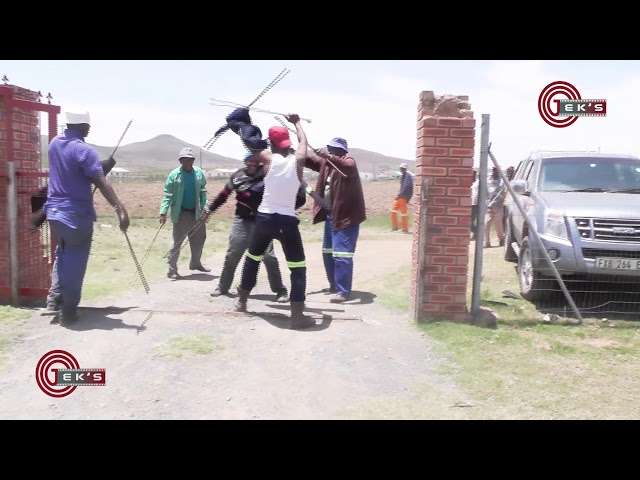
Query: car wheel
{"points": [[509, 252], [533, 285]]}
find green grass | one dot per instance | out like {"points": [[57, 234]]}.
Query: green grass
{"points": [[395, 293], [181, 346], [111, 267], [11, 320], [527, 368]]}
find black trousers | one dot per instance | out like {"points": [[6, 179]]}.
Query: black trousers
{"points": [[474, 218], [284, 228]]}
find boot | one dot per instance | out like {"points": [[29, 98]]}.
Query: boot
{"points": [[298, 319], [241, 301]]}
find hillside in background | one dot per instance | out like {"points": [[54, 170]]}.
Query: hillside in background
{"points": [[160, 154], [157, 154]]}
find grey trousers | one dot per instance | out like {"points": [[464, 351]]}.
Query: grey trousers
{"points": [[186, 220], [241, 231]]}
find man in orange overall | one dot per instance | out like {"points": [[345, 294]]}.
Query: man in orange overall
{"points": [[402, 200]]}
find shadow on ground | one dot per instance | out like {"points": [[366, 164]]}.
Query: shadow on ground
{"points": [[94, 318], [281, 320]]}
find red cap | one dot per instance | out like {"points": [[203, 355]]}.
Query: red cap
{"points": [[279, 136]]}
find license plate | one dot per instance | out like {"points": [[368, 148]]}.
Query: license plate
{"points": [[618, 263]]}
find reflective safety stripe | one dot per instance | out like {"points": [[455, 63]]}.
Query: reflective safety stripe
{"points": [[203, 190], [168, 194], [404, 214], [301, 264], [343, 254], [327, 250], [257, 258]]}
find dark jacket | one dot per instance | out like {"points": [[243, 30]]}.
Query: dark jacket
{"points": [[249, 191], [406, 186], [347, 198]]}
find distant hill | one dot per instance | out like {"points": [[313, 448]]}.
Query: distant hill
{"points": [[372, 162], [159, 153]]}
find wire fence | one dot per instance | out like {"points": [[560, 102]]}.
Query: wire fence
{"points": [[555, 239]]}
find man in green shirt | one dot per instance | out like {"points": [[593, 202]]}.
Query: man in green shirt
{"points": [[185, 191]]}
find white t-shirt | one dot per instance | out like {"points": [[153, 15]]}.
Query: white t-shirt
{"points": [[281, 185]]}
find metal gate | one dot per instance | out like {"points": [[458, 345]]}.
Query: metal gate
{"points": [[26, 127]]}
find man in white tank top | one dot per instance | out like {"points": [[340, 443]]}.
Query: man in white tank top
{"points": [[276, 218]]}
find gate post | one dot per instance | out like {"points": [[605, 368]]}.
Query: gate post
{"points": [[444, 159], [25, 268]]}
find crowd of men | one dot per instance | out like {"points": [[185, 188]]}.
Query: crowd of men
{"points": [[269, 190]]}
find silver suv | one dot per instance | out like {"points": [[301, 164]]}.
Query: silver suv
{"points": [[586, 210]]}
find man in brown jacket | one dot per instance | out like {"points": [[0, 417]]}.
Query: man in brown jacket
{"points": [[342, 191]]}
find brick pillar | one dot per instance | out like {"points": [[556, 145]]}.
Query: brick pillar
{"points": [[444, 159], [24, 128]]}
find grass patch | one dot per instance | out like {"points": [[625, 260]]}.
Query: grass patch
{"points": [[426, 402], [396, 291], [527, 368], [111, 267], [11, 319], [181, 346]]}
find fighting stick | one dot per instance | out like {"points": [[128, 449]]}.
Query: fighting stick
{"points": [[224, 103], [273, 83], [146, 254], [116, 148], [138, 267]]}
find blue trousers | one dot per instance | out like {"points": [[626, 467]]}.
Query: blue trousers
{"points": [[338, 249], [269, 227], [72, 257]]}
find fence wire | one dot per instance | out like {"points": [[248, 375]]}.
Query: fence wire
{"points": [[597, 257]]}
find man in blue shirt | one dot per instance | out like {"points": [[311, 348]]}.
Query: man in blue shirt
{"points": [[185, 191], [74, 167]]}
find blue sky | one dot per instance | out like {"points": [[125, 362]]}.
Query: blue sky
{"points": [[370, 103]]}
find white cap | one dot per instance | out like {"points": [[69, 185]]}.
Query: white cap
{"points": [[76, 118], [403, 165], [186, 153]]}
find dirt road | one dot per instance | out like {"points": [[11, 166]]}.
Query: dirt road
{"points": [[359, 362]]}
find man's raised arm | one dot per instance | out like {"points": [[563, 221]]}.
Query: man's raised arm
{"points": [[301, 151]]}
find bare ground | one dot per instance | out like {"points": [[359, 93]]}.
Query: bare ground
{"points": [[362, 361]]}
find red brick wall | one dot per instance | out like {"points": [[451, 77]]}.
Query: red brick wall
{"points": [[23, 127], [444, 159]]}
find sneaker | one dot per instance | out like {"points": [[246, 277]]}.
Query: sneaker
{"points": [[282, 296], [329, 290], [173, 274], [218, 293], [338, 298], [200, 268]]}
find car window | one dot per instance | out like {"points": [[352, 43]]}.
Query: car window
{"points": [[566, 174]]}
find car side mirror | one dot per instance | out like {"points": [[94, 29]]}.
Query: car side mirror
{"points": [[520, 187]]}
